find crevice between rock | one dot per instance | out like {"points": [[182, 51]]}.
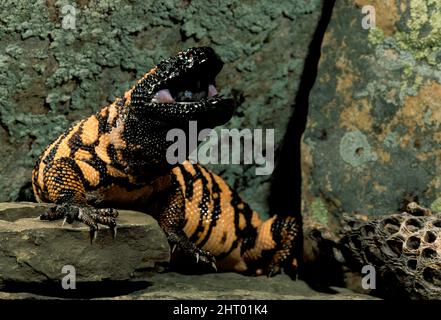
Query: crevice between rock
{"points": [[285, 194]]}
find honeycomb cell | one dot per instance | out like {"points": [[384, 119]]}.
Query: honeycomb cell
{"points": [[413, 224], [430, 237], [392, 221], [413, 243], [432, 276], [391, 229], [412, 264], [429, 253], [395, 245], [391, 225]]}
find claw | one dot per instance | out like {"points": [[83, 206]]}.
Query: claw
{"points": [[197, 257], [93, 234], [259, 272], [273, 271], [174, 248], [64, 221], [113, 230], [214, 266]]}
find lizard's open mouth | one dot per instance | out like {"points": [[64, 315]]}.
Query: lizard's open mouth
{"points": [[193, 83], [183, 88], [186, 92]]}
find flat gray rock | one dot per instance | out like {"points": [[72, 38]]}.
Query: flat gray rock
{"points": [[224, 286], [34, 251], [235, 286]]}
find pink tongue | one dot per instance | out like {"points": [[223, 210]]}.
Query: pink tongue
{"points": [[211, 91], [163, 96]]}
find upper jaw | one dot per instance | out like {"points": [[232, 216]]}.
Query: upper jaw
{"points": [[190, 76]]}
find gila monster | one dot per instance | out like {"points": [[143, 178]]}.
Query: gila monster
{"points": [[116, 158]]}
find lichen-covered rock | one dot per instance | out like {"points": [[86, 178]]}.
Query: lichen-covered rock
{"points": [[34, 252], [372, 137], [61, 60]]}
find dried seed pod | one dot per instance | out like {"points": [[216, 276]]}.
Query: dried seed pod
{"points": [[404, 249]]}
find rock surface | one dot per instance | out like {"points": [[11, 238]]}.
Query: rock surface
{"points": [[372, 137], [34, 252], [234, 286], [225, 286], [60, 63]]}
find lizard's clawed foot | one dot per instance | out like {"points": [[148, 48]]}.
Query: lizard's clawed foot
{"points": [[204, 260], [88, 215], [288, 265]]}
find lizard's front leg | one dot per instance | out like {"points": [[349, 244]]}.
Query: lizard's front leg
{"points": [[65, 186], [172, 220]]}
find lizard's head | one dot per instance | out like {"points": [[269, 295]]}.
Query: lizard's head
{"points": [[178, 90], [182, 88]]}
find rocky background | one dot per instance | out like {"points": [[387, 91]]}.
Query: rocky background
{"points": [[371, 142], [52, 76]]}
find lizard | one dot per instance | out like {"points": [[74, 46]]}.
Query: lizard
{"points": [[116, 158]]}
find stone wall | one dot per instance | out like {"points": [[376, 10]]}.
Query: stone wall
{"points": [[371, 142]]}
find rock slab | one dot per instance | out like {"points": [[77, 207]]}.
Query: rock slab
{"points": [[215, 286], [34, 251]]}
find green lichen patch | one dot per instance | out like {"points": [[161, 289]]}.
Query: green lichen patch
{"points": [[436, 205], [422, 34], [413, 51], [319, 211], [376, 36]]}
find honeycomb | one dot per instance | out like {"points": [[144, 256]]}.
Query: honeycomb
{"points": [[404, 248]]}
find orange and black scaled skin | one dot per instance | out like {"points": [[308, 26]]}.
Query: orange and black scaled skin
{"points": [[116, 158]]}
